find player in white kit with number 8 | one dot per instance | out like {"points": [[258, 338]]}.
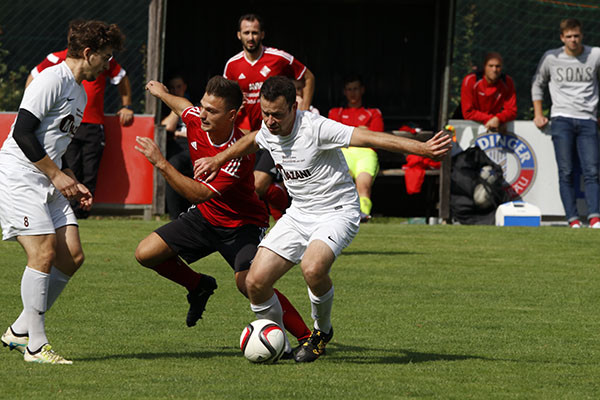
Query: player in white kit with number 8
{"points": [[36, 186]]}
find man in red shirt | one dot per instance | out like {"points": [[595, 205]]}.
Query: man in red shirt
{"points": [[489, 97], [363, 163], [85, 150], [250, 68], [228, 216]]}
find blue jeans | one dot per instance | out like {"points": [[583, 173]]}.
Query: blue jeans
{"points": [[574, 137]]}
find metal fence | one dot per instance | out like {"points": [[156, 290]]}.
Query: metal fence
{"points": [[30, 29], [520, 30]]}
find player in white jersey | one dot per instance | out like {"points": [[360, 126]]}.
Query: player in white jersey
{"points": [[36, 186], [324, 215]]}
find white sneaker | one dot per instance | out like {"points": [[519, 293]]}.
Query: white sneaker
{"points": [[14, 342], [45, 356]]}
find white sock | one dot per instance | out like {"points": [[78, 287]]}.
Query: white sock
{"points": [[34, 293], [321, 310], [58, 281], [271, 309]]}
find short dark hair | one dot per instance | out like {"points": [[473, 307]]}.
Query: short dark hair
{"points": [[352, 77], [226, 89], [251, 18], [276, 86], [176, 75], [96, 35], [492, 55], [569, 24]]}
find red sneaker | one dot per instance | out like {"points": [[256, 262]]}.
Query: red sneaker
{"points": [[595, 223], [575, 224]]}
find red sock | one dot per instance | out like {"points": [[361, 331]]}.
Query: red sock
{"points": [[291, 318], [179, 272], [277, 198]]}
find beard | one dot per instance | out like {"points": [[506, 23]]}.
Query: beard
{"points": [[253, 48]]}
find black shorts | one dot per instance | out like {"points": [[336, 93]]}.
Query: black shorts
{"points": [[264, 163], [193, 238]]}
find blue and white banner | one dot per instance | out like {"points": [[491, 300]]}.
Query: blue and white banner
{"points": [[526, 156]]}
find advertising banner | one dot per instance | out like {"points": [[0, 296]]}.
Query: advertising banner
{"points": [[526, 156]]}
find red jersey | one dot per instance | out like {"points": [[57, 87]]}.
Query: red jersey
{"points": [[236, 203], [481, 101], [94, 110], [369, 117], [251, 75]]}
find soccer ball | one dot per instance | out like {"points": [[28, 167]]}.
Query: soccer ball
{"points": [[488, 174], [262, 341], [482, 196]]}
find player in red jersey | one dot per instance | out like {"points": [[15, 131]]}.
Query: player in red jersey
{"points": [[228, 218], [250, 68], [363, 163], [85, 150], [489, 97]]}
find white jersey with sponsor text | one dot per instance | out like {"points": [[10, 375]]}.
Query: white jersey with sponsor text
{"points": [[311, 163], [58, 101]]}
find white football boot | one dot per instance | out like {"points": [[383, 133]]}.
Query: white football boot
{"points": [[14, 342], [45, 356]]}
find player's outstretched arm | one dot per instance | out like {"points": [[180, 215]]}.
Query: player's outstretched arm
{"points": [[435, 148], [175, 103], [208, 167], [192, 190]]}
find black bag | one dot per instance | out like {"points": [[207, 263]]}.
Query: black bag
{"points": [[473, 199]]}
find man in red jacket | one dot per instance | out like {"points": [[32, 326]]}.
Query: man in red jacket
{"points": [[489, 97]]}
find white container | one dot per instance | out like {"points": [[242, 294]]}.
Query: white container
{"points": [[518, 213]]}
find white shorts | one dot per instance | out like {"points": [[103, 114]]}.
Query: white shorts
{"points": [[30, 204], [294, 231]]}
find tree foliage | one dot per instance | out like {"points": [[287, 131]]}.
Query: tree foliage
{"points": [[12, 83]]}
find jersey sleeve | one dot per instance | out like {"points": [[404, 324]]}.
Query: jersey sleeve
{"points": [[260, 139], [540, 79], [191, 117], [331, 134], [115, 71], [334, 114], [509, 106], [376, 123], [41, 94], [298, 69], [294, 69], [50, 60], [226, 73]]}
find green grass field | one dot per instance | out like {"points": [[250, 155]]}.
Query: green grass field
{"points": [[458, 312]]}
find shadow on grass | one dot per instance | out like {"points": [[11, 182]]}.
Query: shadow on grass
{"points": [[224, 352], [392, 356], [380, 253], [339, 352]]}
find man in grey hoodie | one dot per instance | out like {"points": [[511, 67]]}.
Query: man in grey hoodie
{"points": [[571, 73]]}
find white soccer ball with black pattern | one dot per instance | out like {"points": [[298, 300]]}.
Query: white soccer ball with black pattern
{"points": [[262, 341]]}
